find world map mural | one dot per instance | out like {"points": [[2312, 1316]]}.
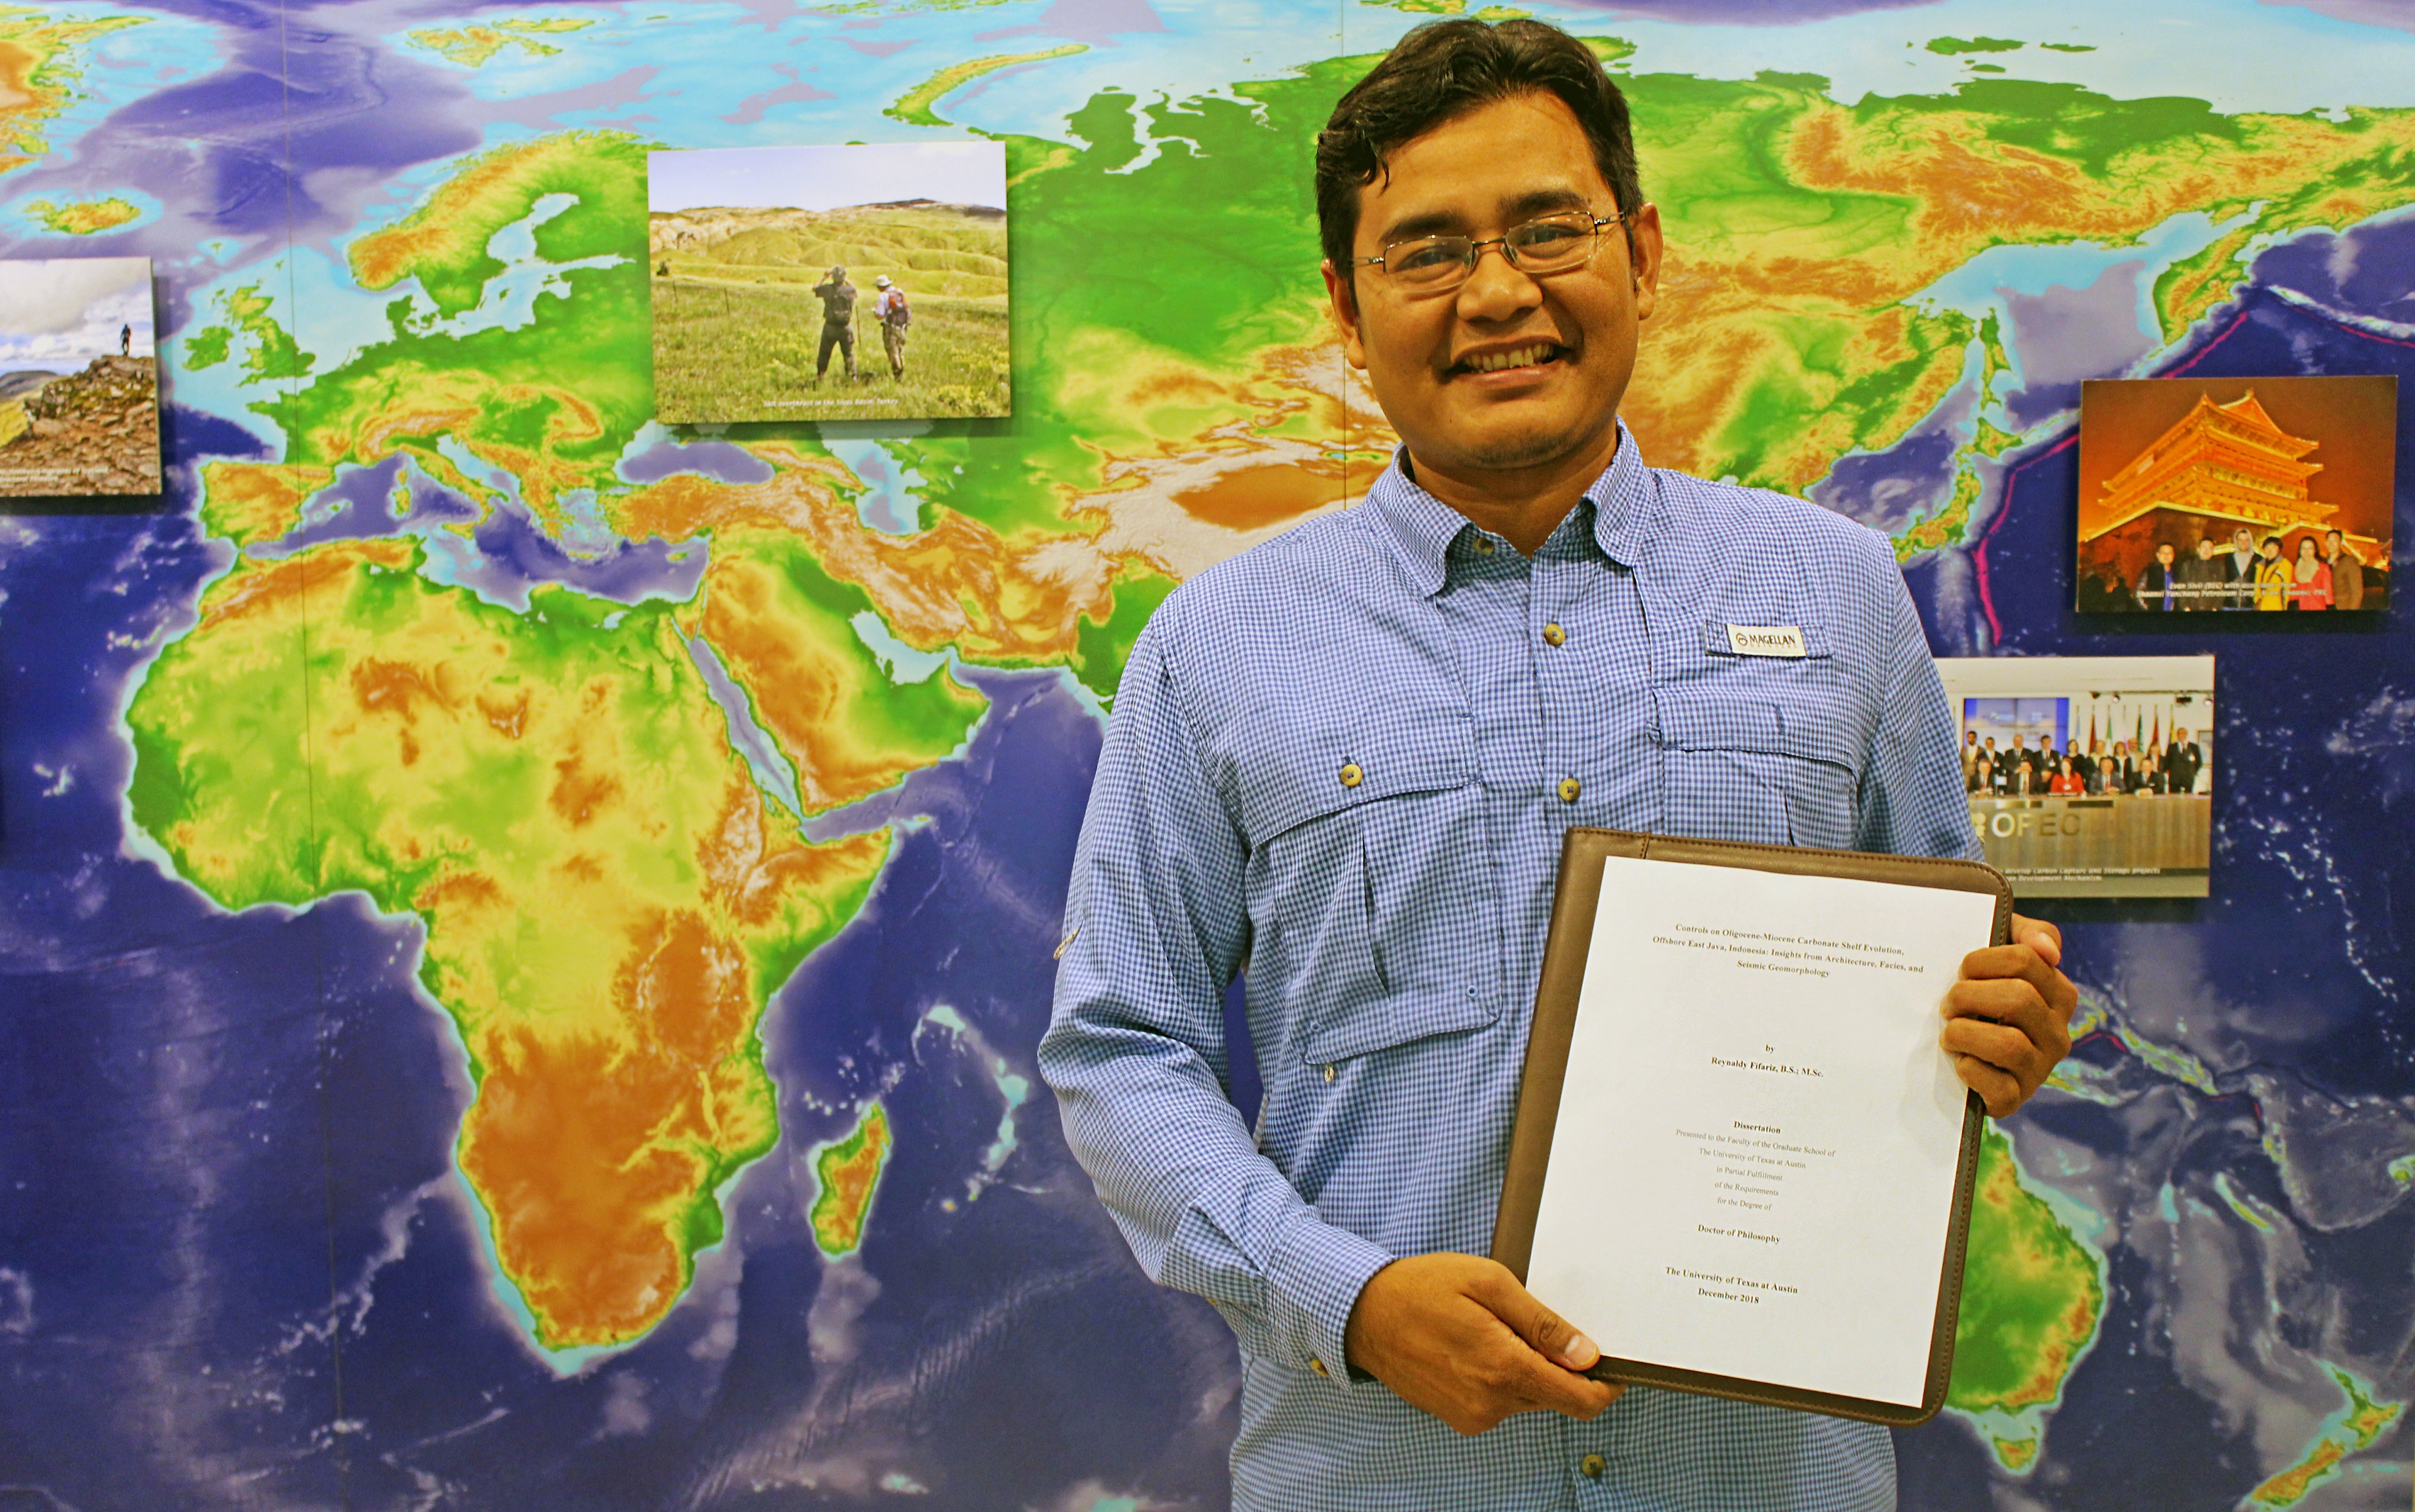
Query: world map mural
{"points": [[523, 929]]}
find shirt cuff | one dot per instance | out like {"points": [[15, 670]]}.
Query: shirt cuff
{"points": [[1313, 1280]]}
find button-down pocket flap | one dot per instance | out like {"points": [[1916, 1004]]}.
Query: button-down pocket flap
{"points": [[1301, 778], [1717, 643], [1403, 1019], [1801, 724]]}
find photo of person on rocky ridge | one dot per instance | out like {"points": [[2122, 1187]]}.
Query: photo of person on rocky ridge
{"points": [[79, 380]]}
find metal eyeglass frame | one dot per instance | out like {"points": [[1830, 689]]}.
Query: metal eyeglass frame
{"points": [[1508, 254]]}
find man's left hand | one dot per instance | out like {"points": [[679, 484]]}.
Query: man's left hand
{"points": [[2008, 1020]]}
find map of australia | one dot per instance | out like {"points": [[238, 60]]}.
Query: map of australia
{"points": [[656, 744]]}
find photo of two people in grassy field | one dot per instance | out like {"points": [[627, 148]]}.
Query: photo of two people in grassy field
{"points": [[861, 283]]}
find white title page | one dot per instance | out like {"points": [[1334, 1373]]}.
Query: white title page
{"points": [[1752, 1173]]}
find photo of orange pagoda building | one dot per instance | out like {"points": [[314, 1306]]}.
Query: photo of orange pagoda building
{"points": [[2163, 501]]}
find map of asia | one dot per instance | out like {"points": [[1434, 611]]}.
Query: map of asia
{"points": [[523, 929]]}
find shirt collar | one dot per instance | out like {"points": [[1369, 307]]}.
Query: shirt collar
{"points": [[1420, 529]]}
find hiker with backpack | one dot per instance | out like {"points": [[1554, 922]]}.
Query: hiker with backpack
{"points": [[889, 308]]}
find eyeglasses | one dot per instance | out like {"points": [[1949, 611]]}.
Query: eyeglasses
{"points": [[1541, 248]]}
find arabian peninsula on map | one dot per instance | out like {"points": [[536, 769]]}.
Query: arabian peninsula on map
{"points": [[544, 916]]}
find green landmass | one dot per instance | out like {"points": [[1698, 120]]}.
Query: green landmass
{"points": [[2403, 1168], [2031, 1295], [207, 347], [2067, 47], [609, 906], [443, 242], [1946, 526], [472, 46], [1955, 46], [274, 351], [1447, 7], [1988, 441], [2354, 1430], [914, 107], [847, 1175], [558, 399], [84, 218], [1106, 645]]}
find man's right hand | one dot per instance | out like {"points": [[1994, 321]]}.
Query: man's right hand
{"points": [[1457, 1336]]}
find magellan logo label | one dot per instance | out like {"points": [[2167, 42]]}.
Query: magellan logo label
{"points": [[1765, 640]]}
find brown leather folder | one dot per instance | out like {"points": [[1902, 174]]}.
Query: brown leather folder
{"points": [[1578, 900]]}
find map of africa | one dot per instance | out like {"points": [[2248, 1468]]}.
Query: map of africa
{"points": [[525, 929]]}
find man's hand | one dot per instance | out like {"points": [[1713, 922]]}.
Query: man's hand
{"points": [[1457, 1336], [2008, 1020]]}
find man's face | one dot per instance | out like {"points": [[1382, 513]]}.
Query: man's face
{"points": [[2204, 548], [2243, 543], [2164, 553], [2330, 543], [1569, 338], [2179, 737]]}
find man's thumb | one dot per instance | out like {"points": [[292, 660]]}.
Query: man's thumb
{"points": [[1557, 1341]]}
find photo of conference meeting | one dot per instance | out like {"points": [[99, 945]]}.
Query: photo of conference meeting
{"points": [[2089, 776]]}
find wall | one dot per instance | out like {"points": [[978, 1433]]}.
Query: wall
{"points": [[524, 930]]}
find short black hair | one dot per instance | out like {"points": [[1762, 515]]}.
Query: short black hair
{"points": [[1442, 70]]}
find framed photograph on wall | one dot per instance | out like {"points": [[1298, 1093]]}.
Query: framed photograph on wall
{"points": [[2236, 494], [2089, 776], [859, 282], [79, 382]]}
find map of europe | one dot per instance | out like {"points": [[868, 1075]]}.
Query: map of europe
{"points": [[525, 928]]}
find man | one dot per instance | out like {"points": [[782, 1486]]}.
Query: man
{"points": [[2238, 570], [2348, 572], [2041, 761], [839, 321], [126, 341], [2159, 585], [889, 309], [1970, 756], [1346, 760], [2200, 578], [2183, 760]]}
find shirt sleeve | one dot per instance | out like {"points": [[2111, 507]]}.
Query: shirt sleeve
{"points": [[1135, 1052], [1912, 800]]}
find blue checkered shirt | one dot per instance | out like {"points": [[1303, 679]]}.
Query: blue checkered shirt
{"points": [[1341, 762]]}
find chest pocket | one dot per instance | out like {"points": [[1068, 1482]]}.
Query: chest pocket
{"points": [[1766, 764], [1373, 902]]}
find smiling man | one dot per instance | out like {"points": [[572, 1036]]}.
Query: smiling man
{"points": [[1342, 764]]}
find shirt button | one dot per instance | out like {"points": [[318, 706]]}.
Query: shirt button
{"points": [[1591, 1466], [1318, 1366], [1554, 635], [1569, 788], [1351, 775]]}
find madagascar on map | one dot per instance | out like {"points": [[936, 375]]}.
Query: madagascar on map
{"points": [[525, 928]]}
